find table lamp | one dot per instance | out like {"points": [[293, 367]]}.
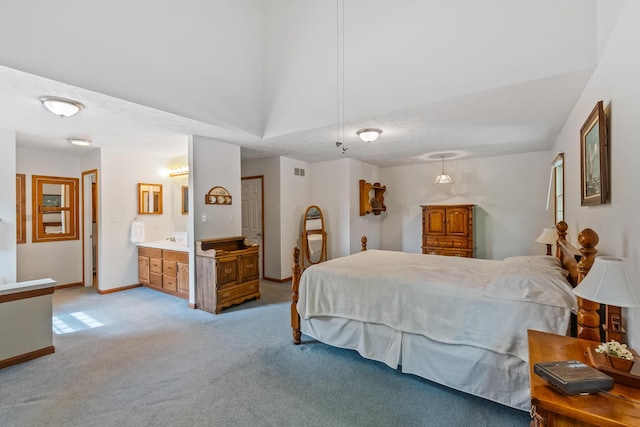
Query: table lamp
{"points": [[548, 237], [610, 281]]}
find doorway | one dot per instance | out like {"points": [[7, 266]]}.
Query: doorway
{"points": [[90, 228], [252, 213]]}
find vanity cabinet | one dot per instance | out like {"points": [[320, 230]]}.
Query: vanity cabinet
{"points": [[226, 275], [164, 270], [448, 230]]}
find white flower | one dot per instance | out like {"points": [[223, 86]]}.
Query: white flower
{"points": [[614, 348]]}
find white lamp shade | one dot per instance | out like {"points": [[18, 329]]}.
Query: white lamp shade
{"points": [[443, 179], [610, 281], [60, 106], [548, 236], [369, 135]]}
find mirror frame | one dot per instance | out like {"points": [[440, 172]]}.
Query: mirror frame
{"points": [[38, 209], [140, 199], [305, 233], [184, 197], [21, 213]]}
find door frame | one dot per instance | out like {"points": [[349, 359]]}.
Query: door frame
{"points": [[87, 205], [262, 248]]}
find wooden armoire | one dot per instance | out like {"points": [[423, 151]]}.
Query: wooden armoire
{"points": [[448, 230]]}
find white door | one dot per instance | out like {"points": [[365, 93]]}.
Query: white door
{"points": [[252, 214]]}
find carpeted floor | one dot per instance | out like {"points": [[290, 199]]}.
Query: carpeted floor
{"points": [[142, 358]]}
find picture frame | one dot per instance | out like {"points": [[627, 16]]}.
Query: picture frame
{"points": [[184, 193], [594, 159]]}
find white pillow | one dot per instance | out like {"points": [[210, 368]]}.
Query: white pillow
{"points": [[534, 283], [547, 260]]}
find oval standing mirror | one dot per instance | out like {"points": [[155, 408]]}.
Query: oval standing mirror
{"points": [[314, 238], [149, 198]]}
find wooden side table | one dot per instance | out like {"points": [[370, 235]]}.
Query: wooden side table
{"points": [[552, 408]]}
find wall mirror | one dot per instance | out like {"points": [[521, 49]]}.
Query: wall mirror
{"points": [[314, 236], [149, 198], [55, 208], [184, 196]]}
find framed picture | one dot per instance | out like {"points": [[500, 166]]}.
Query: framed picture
{"points": [[594, 161]]}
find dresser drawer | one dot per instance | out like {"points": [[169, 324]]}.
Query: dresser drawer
{"points": [[169, 283], [440, 242], [176, 256], [155, 279], [155, 265], [169, 268], [150, 252], [231, 293]]}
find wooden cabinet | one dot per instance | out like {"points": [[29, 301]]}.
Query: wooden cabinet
{"points": [[448, 230], [549, 407], [164, 270], [229, 277]]}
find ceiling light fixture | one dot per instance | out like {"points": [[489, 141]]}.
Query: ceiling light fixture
{"points": [[369, 134], [443, 178], [80, 142], [60, 106]]}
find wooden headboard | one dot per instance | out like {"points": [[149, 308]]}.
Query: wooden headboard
{"points": [[578, 262]]}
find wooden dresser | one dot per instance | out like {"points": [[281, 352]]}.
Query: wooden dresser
{"points": [[228, 277], [448, 230]]}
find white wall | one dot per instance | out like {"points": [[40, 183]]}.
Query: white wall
{"points": [[215, 163], [61, 261], [8, 252], [510, 193], [119, 174], [615, 81], [294, 199]]}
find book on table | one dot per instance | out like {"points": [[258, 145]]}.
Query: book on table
{"points": [[573, 377]]}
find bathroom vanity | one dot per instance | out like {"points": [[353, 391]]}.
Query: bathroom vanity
{"points": [[164, 266]]}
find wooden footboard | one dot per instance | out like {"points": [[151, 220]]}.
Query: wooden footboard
{"points": [[297, 270]]}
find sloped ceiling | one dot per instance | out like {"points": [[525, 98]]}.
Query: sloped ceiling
{"points": [[472, 77]]}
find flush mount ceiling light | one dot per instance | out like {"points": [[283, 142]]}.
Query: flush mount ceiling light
{"points": [[369, 134], [80, 142], [60, 106], [443, 178]]}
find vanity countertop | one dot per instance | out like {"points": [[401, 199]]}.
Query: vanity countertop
{"points": [[179, 245]]}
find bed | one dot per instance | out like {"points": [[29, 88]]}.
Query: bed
{"points": [[460, 322]]}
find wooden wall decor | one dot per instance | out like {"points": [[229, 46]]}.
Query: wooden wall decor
{"points": [[371, 198], [217, 196]]}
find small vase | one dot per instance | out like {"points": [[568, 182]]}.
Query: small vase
{"points": [[620, 363]]}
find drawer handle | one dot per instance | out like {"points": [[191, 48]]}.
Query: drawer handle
{"points": [[225, 295], [228, 270], [249, 265], [252, 287]]}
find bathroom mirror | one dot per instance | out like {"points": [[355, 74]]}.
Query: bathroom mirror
{"points": [[149, 198], [314, 237]]}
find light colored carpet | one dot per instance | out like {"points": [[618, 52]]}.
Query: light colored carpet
{"points": [[151, 361]]}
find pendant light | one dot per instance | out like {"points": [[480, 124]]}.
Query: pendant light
{"points": [[443, 178]]}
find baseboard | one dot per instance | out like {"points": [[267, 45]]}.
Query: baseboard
{"points": [[193, 305], [271, 279], [69, 285], [27, 356], [122, 288]]}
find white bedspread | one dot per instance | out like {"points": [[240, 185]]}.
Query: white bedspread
{"points": [[438, 297]]}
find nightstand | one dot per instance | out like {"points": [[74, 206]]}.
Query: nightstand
{"points": [[550, 407]]}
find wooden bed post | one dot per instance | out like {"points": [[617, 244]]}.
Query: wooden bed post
{"points": [[295, 283], [588, 317], [363, 241]]}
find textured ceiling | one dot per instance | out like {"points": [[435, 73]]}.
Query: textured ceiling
{"points": [[477, 78]]}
